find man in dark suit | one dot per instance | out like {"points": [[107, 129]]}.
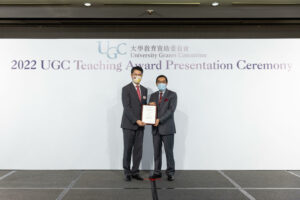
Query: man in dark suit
{"points": [[164, 129], [134, 96]]}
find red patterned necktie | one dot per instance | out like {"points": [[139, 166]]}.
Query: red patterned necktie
{"points": [[139, 92], [160, 97]]}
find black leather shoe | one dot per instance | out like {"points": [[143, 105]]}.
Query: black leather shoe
{"points": [[137, 177], [127, 178], [154, 176], [171, 178]]}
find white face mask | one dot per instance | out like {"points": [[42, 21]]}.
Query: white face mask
{"points": [[137, 79]]}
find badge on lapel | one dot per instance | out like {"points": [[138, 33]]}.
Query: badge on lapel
{"points": [[144, 97], [166, 99]]}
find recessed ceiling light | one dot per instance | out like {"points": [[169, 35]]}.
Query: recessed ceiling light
{"points": [[215, 4], [87, 4]]}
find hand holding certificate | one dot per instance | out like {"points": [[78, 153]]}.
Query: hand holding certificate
{"points": [[149, 114]]}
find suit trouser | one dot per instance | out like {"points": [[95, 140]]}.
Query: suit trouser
{"points": [[133, 145], [168, 141]]}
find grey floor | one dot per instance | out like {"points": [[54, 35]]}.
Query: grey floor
{"points": [[189, 185]]}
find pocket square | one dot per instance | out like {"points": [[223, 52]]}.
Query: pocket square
{"points": [[166, 99]]}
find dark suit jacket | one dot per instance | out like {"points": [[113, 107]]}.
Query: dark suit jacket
{"points": [[132, 106], [165, 112]]}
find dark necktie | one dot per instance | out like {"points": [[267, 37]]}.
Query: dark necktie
{"points": [[160, 97]]}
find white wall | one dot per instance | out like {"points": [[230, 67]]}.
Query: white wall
{"points": [[226, 119]]}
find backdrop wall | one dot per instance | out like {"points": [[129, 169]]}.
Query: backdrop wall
{"points": [[238, 101]]}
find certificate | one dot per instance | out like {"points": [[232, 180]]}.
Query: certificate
{"points": [[149, 114]]}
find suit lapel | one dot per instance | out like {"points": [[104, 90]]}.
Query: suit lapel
{"points": [[156, 97], [142, 93]]}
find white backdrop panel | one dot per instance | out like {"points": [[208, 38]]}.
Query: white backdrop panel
{"points": [[238, 101]]}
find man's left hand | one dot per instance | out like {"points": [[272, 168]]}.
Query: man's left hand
{"points": [[156, 122]]}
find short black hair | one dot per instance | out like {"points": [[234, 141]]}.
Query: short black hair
{"points": [[137, 68], [161, 76]]}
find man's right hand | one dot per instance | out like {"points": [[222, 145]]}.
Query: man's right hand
{"points": [[140, 123], [152, 103]]}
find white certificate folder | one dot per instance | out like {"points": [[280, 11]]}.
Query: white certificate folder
{"points": [[149, 114]]}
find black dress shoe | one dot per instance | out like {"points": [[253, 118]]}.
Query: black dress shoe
{"points": [[154, 176], [127, 178], [137, 177], [171, 178]]}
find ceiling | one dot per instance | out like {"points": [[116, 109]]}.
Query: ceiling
{"points": [[149, 2], [155, 10]]}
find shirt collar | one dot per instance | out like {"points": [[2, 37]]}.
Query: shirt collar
{"points": [[163, 92], [134, 84]]}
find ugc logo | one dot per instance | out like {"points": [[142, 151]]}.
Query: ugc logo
{"points": [[111, 52]]}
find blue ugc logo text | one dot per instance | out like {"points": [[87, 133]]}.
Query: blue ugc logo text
{"points": [[111, 52]]}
